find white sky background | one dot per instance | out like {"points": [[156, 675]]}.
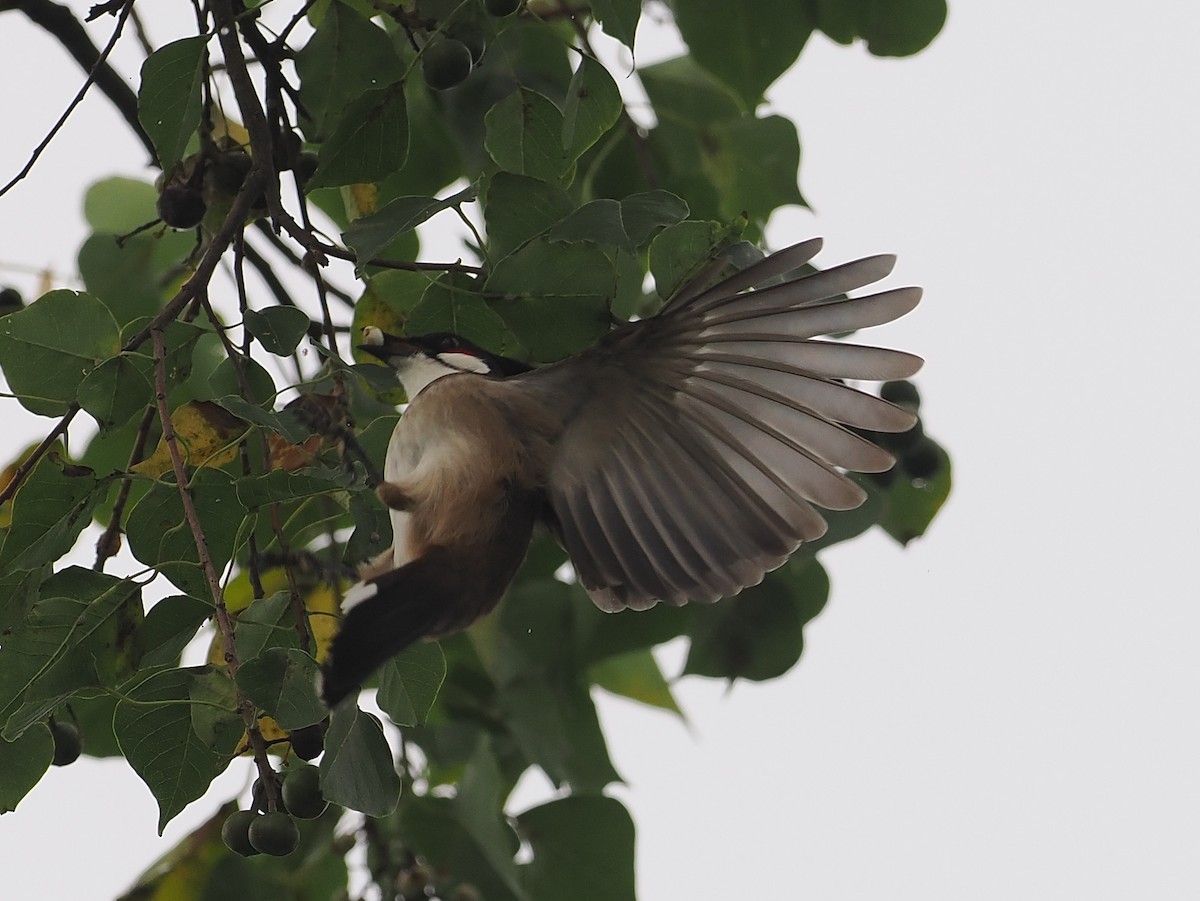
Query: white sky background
{"points": [[1006, 709]]}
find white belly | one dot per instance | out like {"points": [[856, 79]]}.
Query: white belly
{"points": [[403, 455]]}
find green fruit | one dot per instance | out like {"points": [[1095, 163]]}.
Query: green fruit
{"points": [[501, 8], [922, 460], [474, 37], [302, 793], [445, 63], [235, 832], [67, 743], [181, 207], [228, 171], [10, 301], [902, 393], [306, 166], [274, 833]]}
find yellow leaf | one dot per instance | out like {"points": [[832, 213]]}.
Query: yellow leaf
{"points": [[207, 436], [360, 200]]}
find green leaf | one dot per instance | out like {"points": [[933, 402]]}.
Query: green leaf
{"points": [[159, 535], [683, 93], [643, 214], [618, 18], [517, 207], [542, 693], [169, 627], [582, 849], [753, 164], [911, 504], [224, 382], [371, 234], [283, 681], [49, 511], [593, 107], [758, 635], [479, 805], [524, 135], [117, 206], [281, 485], [346, 57], [680, 251], [357, 770], [154, 726], [23, 762], [453, 304], [115, 391], [555, 296], [134, 278], [283, 422], [637, 676], [747, 50], [409, 683], [891, 29], [99, 648], [47, 348], [627, 224], [169, 98], [369, 141], [278, 329], [267, 622], [432, 827]]}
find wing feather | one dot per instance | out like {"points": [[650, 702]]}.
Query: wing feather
{"points": [[705, 437]]}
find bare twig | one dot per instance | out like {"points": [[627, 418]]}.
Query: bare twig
{"points": [[261, 141], [408, 265], [61, 22], [220, 612], [109, 542]]}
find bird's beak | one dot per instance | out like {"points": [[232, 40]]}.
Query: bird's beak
{"points": [[379, 343]]}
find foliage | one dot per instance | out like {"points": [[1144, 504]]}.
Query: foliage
{"points": [[235, 424]]}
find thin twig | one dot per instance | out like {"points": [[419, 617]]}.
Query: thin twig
{"points": [[220, 612], [108, 543], [408, 265], [45, 12], [255, 120]]}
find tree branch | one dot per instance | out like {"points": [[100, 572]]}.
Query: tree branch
{"points": [[62, 24], [220, 612]]}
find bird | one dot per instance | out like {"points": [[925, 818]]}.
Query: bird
{"points": [[680, 458]]}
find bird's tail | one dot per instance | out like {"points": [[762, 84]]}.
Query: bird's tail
{"points": [[383, 616]]}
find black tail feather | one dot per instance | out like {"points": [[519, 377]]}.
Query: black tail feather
{"points": [[408, 604]]}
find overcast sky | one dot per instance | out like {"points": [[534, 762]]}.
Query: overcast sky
{"points": [[1005, 709]]}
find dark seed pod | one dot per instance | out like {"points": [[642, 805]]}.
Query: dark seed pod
{"points": [[181, 207]]}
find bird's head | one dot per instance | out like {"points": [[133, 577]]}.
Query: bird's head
{"points": [[421, 359]]}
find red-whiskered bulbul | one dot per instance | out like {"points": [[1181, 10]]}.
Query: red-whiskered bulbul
{"points": [[680, 458]]}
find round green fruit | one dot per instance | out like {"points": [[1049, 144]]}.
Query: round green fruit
{"points": [[446, 63], [274, 833], [474, 37], [67, 743], [302, 793], [902, 393], [235, 832], [922, 460], [501, 8]]}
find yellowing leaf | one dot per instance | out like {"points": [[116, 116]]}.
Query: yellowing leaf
{"points": [[360, 200], [207, 436]]}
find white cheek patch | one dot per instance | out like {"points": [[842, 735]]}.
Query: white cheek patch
{"points": [[356, 594], [463, 362]]}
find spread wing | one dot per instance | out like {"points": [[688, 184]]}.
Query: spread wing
{"points": [[711, 432]]}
